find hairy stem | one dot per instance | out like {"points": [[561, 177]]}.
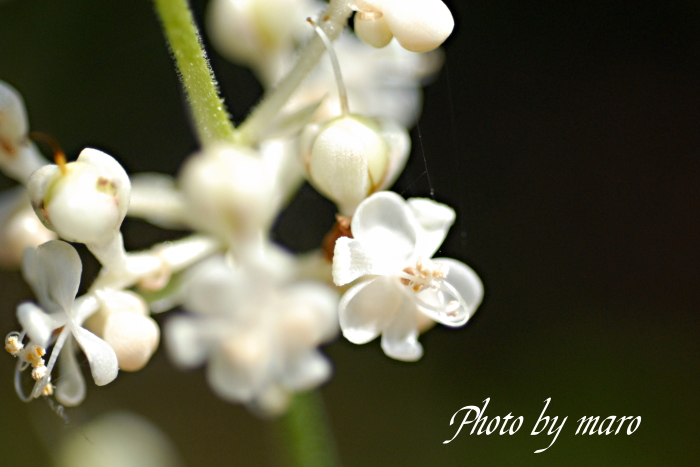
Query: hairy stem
{"points": [[306, 432], [332, 21], [208, 111]]}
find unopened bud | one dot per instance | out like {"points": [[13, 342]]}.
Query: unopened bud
{"points": [[84, 201], [252, 32], [19, 228], [351, 157], [18, 156], [418, 25], [133, 337], [229, 191]]}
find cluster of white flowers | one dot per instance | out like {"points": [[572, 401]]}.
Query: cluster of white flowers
{"points": [[254, 313]]}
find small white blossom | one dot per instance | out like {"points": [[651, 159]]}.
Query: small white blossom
{"points": [[83, 201], [259, 336], [229, 193], [351, 157], [123, 322], [391, 250], [18, 156], [19, 227], [53, 271], [259, 33], [418, 25]]}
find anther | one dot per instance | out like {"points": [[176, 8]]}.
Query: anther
{"points": [[13, 344]]}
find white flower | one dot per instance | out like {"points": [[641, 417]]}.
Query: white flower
{"points": [[391, 250], [350, 157], [418, 25], [83, 201], [18, 156], [259, 33], [259, 337], [123, 322], [229, 193], [19, 227], [53, 271]]}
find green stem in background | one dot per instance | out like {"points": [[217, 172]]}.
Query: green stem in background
{"points": [[332, 21], [209, 113], [306, 433]]}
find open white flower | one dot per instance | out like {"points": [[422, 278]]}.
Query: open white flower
{"points": [[259, 337], [53, 271], [391, 250]]}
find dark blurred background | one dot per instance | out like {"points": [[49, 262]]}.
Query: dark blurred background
{"points": [[567, 137]]}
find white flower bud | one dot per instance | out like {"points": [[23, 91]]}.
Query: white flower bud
{"points": [[18, 157], [19, 228], [133, 337], [85, 201], [13, 122], [418, 25], [351, 157], [229, 191], [257, 33]]}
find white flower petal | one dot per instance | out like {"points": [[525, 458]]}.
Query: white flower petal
{"points": [[70, 387], [212, 287], [462, 286], [399, 144], [351, 261], [38, 324], [186, 341], [102, 359], [31, 272], [386, 228], [435, 220], [241, 368], [58, 268], [112, 170], [317, 305], [400, 338], [367, 308], [306, 371]]}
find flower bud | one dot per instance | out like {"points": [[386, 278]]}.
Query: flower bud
{"points": [[229, 191], [123, 322], [84, 201], [350, 157], [256, 32], [18, 157], [133, 337], [418, 25], [19, 228]]}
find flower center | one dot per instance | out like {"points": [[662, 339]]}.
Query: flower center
{"points": [[425, 274], [429, 275]]}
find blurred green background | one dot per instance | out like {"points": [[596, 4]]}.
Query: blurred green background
{"points": [[567, 137]]}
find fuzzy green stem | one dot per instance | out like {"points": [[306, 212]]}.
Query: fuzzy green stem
{"points": [[209, 113], [332, 21], [307, 436]]}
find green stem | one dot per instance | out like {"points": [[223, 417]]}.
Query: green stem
{"points": [[210, 116], [332, 21], [307, 436]]}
